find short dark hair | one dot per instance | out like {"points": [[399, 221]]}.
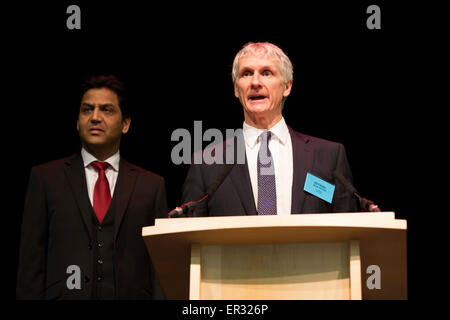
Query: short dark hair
{"points": [[113, 83]]}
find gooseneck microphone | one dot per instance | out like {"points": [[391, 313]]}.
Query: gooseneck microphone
{"points": [[190, 206], [363, 202], [179, 211]]}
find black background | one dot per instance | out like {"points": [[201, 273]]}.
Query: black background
{"points": [[372, 90]]}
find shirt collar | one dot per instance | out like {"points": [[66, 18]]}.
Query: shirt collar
{"points": [[251, 134], [113, 160]]}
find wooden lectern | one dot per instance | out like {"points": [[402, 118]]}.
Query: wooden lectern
{"points": [[304, 256]]}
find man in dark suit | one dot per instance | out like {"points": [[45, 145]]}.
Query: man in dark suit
{"points": [[83, 215], [277, 158]]}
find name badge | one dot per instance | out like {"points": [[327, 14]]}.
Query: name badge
{"points": [[319, 188]]}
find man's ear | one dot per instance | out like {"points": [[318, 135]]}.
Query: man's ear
{"points": [[236, 93], [126, 124], [287, 88]]}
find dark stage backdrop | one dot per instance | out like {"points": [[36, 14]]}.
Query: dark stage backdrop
{"points": [[363, 88]]}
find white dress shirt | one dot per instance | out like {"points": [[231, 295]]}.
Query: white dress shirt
{"points": [[92, 174], [280, 146]]}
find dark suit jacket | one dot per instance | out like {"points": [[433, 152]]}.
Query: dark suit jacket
{"points": [[57, 230], [235, 197]]}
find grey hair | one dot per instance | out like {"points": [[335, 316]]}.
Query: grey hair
{"points": [[268, 50]]}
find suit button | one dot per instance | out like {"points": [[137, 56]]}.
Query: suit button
{"points": [[90, 246], [99, 278], [99, 261], [100, 244], [99, 228]]}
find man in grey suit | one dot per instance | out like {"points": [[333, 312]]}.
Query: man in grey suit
{"points": [[277, 158]]}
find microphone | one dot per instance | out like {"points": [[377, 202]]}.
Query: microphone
{"points": [[363, 202], [179, 211], [188, 206]]}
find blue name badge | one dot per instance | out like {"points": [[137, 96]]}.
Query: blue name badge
{"points": [[319, 187]]}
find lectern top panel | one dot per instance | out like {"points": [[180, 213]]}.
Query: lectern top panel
{"points": [[378, 220]]}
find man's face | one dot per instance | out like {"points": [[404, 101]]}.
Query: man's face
{"points": [[260, 87], [100, 122]]}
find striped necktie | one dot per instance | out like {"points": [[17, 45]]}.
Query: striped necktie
{"points": [[267, 193]]}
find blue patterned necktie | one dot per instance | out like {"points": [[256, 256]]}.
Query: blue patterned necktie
{"points": [[267, 193]]}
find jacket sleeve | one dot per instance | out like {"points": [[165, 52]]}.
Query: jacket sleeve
{"points": [[161, 201], [194, 189], [344, 201], [31, 276], [160, 212]]}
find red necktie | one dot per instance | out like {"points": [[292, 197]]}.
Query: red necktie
{"points": [[102, 194]]}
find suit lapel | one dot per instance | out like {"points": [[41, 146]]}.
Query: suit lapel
{"points": [[240, 176], [122, 192], [74, 171], [303, 159], [241, 181]]}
